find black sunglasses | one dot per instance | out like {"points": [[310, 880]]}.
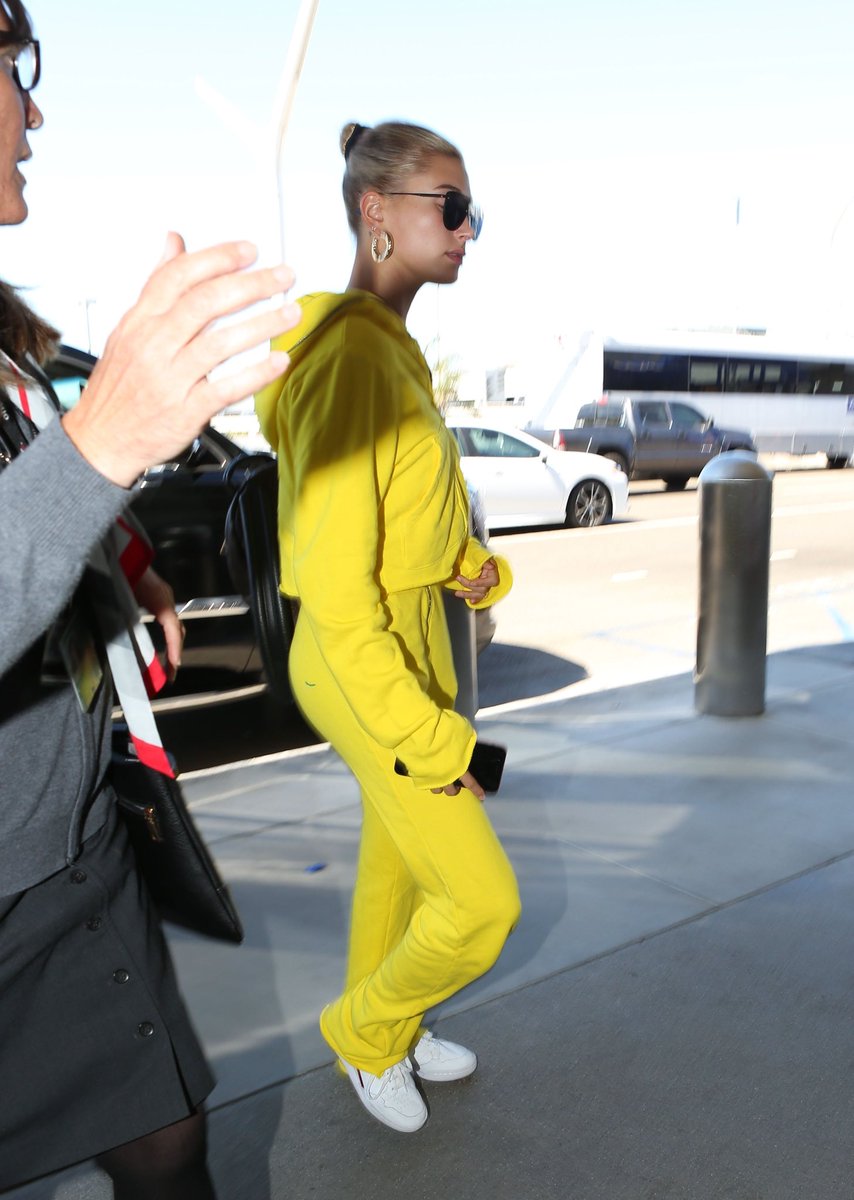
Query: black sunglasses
{"points": [[26, 62], [456, 208]]}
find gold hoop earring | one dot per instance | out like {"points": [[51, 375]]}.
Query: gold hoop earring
{"points": [[380, 256]]}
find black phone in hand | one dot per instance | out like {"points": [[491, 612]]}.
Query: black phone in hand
{"points": [[487, 764]]}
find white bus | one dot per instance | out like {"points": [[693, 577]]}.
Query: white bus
{"points": [[796, 403]]}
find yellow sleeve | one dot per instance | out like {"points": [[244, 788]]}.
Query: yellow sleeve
{"points": [[474, 556], [342, 434]]}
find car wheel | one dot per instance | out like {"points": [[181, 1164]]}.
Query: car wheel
{"points": [[589, 504], [675, 483], [616, 457]]}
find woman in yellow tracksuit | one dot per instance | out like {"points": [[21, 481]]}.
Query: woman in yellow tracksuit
{"points": [[373, 524]]}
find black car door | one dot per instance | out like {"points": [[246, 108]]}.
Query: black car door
{"points": [[182, 506]]}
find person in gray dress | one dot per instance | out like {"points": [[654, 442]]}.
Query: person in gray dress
{"points": [[98, 1056]]}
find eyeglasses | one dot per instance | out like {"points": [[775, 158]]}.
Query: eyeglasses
{"points": [[25, 58], [456, 208]]}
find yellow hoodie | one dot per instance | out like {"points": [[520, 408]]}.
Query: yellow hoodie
{"points": [[373, 510]]}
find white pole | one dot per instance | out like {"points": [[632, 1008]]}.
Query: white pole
{"points": [[286, 94]]}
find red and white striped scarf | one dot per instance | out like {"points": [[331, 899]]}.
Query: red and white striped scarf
{"points": [[118, 563]]}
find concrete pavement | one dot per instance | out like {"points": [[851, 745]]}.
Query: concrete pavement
{"points": [[671, 1019]]}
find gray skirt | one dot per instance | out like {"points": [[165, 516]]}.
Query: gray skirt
{"points": [[96, 1046]]}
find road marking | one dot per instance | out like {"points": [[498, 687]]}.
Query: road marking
{"points": [[824, 586], [629, 576], [812, 510], [508, 538], [781, 555]]}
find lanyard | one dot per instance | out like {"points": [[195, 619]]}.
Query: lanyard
{"points": [[22, 393], [23, 398]]}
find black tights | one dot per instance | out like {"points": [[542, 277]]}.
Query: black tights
{"points": [[166, 1165]]}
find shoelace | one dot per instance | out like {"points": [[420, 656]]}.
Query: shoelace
{"points": [[427, 1048], [393, 1079]]}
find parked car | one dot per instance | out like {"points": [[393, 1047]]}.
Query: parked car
{"points": [[649, 439], [211, 517], [522, 482]]}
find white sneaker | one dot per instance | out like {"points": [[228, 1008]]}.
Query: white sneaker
{"points": [[438, 1061], [392, 1097]]}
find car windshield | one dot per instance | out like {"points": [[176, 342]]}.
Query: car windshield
{"points": [[494, 443]]}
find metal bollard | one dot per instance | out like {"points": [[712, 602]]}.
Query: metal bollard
{"points": [[735, 545], [464, 648]]}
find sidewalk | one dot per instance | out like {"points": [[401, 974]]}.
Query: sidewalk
{"points": [[671, 1019]]}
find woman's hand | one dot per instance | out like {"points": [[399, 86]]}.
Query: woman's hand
{"points": [[467, 780], [156, 596], [475, 590]]}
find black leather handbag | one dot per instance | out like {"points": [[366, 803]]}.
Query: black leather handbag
{"points": [[173, 859]]}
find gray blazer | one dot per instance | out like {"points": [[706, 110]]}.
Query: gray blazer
{"points": [[54, 508]]}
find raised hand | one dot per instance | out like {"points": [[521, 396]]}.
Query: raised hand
{"points": [[150, 394]]}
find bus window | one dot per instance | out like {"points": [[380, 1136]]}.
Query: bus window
{"points": [[760, 375], [639, 371], [815, 379], [707, 374]]}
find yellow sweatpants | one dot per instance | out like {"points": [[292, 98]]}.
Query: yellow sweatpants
{"points": [[435, 895]]}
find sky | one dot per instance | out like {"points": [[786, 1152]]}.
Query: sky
{"points": [[641, 163]]}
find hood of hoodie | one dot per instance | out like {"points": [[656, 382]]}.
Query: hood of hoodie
{"points": [[320, 313]]}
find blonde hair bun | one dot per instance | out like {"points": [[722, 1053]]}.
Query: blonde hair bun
{"points": [[350, 134]]}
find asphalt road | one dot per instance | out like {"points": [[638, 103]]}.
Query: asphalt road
{"points": [[619, 604], [602, 607]]}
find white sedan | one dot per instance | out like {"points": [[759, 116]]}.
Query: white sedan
{"points": [[521, 481]]}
